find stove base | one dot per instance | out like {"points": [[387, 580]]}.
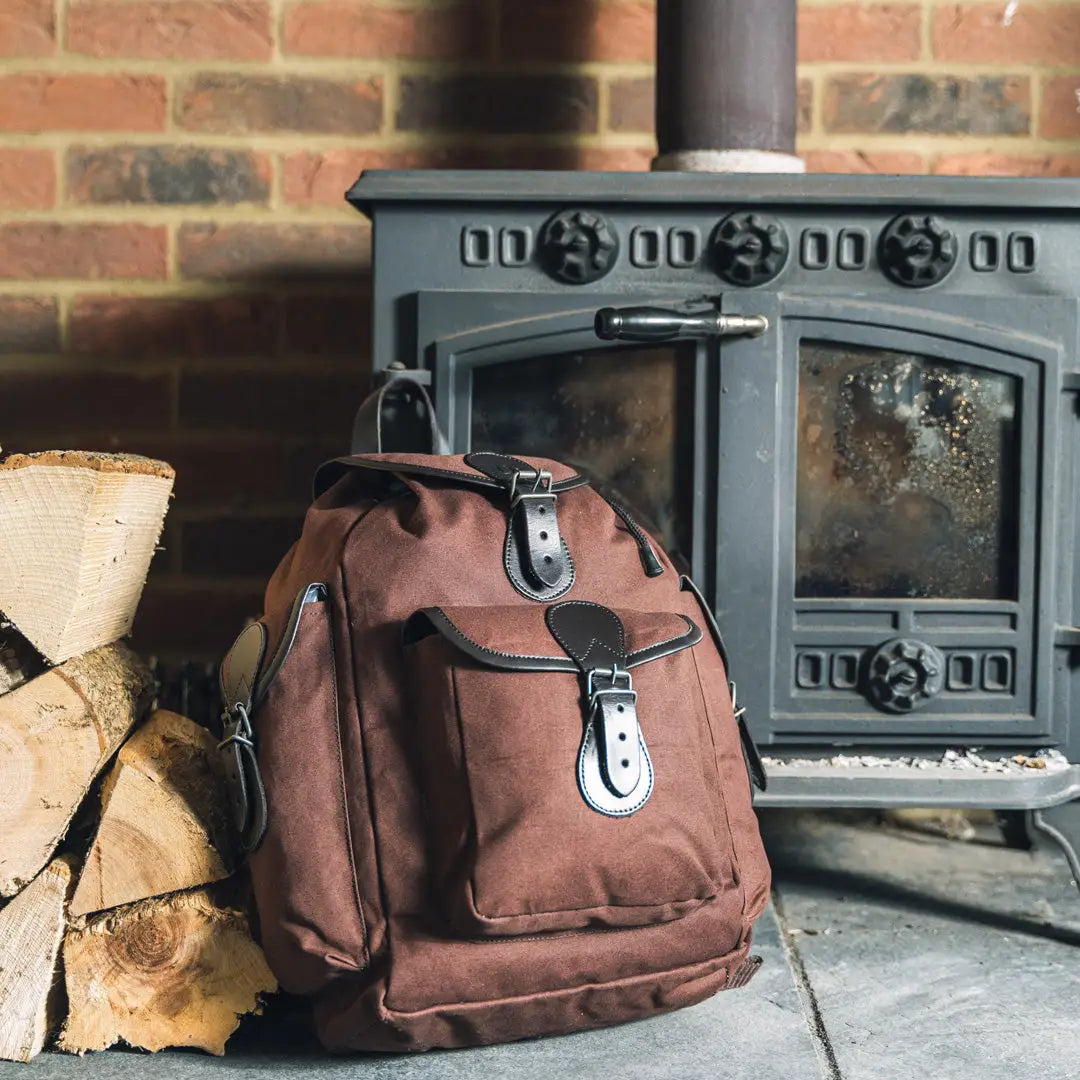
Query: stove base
{"points": [[1051, 799], [911, 785]]}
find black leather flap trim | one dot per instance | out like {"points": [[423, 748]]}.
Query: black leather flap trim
{"points": [[434, 620], [590, 633], [666, 648], [331, 471]]}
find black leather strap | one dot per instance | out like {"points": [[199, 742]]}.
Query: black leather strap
{"points": [[755, 767], [238, 678], [615, 774], [537, 560], [617, 728], [398, 418]]}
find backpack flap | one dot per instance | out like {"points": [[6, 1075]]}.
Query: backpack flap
{"points": [[569, 767]]}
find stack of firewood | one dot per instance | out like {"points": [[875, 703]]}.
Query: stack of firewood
{"points": [[120, 916]]}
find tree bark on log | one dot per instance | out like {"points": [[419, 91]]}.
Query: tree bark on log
{"points": [[174, 971], [77, 533], [31, 929], [56, 734], [164, 825]]}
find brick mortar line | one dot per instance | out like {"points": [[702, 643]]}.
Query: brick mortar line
{"points": [[173, 582], [350, 68], [603, 106], [172, 251], [992, 4], [931, 66], [211, 510], [817, 104], [343, 67], [1036, 105], [938, 143], [285, 142], [63, 322], [494, 25], [346, 67], [277, 31], [276, 196], [205, 438], [391, 101], [96, 363], [926, 33], [198, 289], [166, 213]]}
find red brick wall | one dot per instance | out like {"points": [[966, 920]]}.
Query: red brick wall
{"points": [[180, 276]]}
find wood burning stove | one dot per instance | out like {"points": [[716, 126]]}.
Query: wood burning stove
{"points": [[848, 404]]}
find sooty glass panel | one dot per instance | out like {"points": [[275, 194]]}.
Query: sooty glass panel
{"points": [[907, 476], [625, 417]]}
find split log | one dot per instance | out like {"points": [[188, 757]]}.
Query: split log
{"points": [[19, 660], [77, 533], [57, 732], [164, 818], [174, 971], [31, 929]]}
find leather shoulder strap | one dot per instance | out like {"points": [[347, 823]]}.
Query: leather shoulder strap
{"points": [[398, 418]]}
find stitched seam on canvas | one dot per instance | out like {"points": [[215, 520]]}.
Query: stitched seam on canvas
{"points": [[344, 794], [368, 788], [736, 865]]}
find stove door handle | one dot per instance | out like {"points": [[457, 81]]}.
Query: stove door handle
{"points": [[664, 324]]}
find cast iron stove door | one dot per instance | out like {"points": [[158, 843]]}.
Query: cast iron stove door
{"points": [[866, 492], [637, 418], [884, 521]]}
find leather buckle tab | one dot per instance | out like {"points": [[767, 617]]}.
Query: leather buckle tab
{"points": [[613, 710]]}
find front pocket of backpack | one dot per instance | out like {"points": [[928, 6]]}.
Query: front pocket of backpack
{"points": [[513, 846], [312, 924]]}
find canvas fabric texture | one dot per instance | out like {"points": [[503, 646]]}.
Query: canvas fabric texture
{"points": [[430, 872]]}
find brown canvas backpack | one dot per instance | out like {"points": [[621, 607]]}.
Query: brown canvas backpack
{"points": [[485, 762]]}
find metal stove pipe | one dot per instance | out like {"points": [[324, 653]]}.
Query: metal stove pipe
{"points": [[725, 86]]}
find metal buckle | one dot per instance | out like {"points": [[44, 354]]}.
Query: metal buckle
{"points": [[614, 673], [739, 710], [541, 485], [241, 728]]}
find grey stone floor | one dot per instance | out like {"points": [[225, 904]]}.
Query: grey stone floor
{"points": [[888, 956]]}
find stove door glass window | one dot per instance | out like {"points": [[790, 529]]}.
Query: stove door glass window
{"points": [[907, 476], [625, 417]]}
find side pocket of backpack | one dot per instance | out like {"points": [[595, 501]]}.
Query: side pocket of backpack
{"points": [[303, 869]]}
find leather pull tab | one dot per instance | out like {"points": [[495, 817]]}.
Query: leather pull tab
{"points": [[615, 711]]}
